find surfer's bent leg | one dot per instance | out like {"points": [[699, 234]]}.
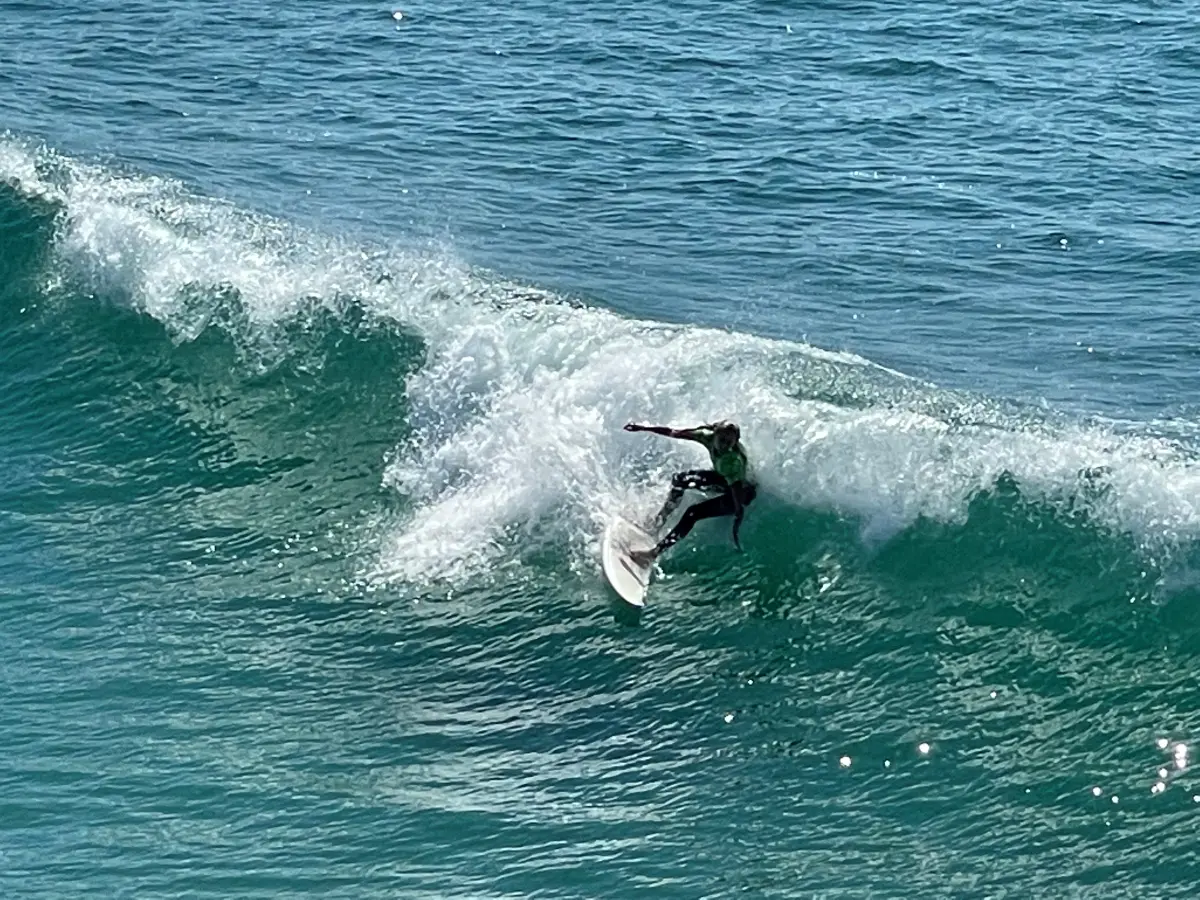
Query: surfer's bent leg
{"points": [[696, 479], [708, 509]]}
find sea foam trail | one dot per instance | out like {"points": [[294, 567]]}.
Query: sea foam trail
{"points": [[513, 425]]}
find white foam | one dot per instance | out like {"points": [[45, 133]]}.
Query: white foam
{"points": [[19, 168], [517, 411], [521, 410]]}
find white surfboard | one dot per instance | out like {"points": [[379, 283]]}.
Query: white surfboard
{"points": [[627, 578]]}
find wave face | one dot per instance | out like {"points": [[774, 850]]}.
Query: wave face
{"points": [[398, 465]]}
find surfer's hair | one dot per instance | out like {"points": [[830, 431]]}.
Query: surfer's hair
{"points": [[727, 428]]}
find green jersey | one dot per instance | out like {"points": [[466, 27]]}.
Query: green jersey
{"points": [[732, 465]]}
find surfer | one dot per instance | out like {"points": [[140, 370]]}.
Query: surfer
{"points": [[729, 475]]}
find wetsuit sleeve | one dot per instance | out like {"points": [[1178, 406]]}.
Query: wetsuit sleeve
{"points": [[703, 436]]}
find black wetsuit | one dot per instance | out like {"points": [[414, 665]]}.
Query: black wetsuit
{"points": [[730, 469]]}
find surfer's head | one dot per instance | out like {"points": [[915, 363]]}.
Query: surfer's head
{"points": [[725, 435]]}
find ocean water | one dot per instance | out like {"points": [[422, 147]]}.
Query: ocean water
{"points": [[318, 327]]}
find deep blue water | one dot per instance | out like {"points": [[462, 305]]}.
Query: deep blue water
{"points": [[318, 327]]}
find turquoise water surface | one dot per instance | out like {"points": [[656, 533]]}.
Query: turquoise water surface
{"points": [[318, 327]]}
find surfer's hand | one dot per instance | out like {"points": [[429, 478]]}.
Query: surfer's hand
{"points": [[633, 426]]}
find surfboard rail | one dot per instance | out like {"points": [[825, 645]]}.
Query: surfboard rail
{"points": [[628, 579]]}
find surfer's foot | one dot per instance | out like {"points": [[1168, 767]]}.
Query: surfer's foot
{"points": [[643, 557]]}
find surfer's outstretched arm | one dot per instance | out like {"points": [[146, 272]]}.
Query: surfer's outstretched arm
{"points": [[683, 434]]}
